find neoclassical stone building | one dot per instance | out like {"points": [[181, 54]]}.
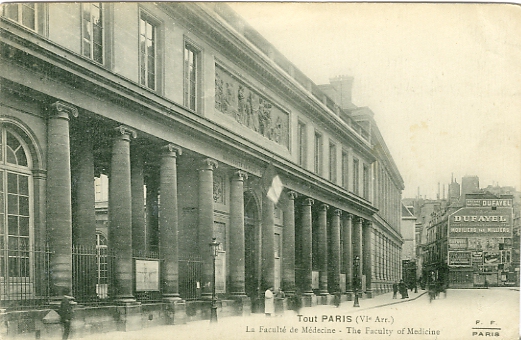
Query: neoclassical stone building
{"points": [[135, 133]]}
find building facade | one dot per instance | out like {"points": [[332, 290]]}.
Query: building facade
{"points": [[471, 240], [178, 109]]}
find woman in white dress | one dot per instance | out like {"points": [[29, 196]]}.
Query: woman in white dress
{"points": [[269, 302]]}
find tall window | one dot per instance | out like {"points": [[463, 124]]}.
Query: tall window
{"points": [[23, 13], [15, 195], [102, 265], [318, 153], [366, 181], [345, 169], [301, 144], [191, 56], [147, 52], [92, 31], [332, 162], [356, 177]]}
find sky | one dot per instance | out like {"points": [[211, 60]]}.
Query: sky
{"points": [[444, 80]]}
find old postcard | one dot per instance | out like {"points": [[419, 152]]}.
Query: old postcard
{"points": [[260, 170]]}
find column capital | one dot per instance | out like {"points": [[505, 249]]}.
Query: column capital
{"points": [[368, 223], [358, 219], [209, 164], [347, 215], [171, 150], [337, 212], [292, 195], [239, 175], [323, 207], [63, 110], [124, 132], [308, 201]]}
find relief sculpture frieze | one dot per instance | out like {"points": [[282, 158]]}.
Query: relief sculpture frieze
{"points": [[237, 100]]}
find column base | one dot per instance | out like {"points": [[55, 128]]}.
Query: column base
{"points": [[369, 293], [129, 315], [325, 299], [175, 310], [349, 295], [309, 300], [242, 304]]}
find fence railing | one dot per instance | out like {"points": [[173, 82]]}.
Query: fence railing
{"points": [[24, 278], [92, 278], [190, 274]]}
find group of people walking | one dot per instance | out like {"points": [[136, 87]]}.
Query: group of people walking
{"points": [[402, 288]]}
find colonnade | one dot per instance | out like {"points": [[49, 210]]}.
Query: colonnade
{"points": [[127, 221]]}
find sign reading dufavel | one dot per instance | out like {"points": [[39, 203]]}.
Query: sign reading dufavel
{"points": [[481, 222]]}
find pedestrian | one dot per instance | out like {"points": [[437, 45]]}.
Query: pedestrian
{"points": [[395, 289], [402, 287], [337, 298], [279, 302], [269, 303], [297, 301], [65, 312]]}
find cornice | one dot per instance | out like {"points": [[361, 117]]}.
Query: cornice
{"points": [[74, 71], [242, 52]]}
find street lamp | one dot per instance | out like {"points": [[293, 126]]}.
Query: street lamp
{"points": [[214, 246], [356, 263]]}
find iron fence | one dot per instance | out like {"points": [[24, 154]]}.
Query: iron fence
{"points": [[92, 278], [190, 274], [24, 278], [25, 281]]}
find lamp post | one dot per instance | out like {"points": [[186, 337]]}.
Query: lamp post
{"points": [[214, 246], [356, 264]]}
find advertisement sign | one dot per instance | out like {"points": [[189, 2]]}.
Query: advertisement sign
{"points": [[147, 275], [484, 243], [489, 203], [460, 258], [481, 222], [457, 243], [477, 258], [492, 257]]}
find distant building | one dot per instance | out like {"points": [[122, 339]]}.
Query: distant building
{"points": [[408, 258], [471, 240]]}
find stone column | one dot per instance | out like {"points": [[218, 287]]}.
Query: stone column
{"points": [[168, 222], [367, 232], [268, 244], [288, 249], [84, 212], [322, 248], [236, 248], [120, 214], [139, 241], [357, 244], [348, 253], [334, 258], [206, 220], [307, 246], [59, 210]]}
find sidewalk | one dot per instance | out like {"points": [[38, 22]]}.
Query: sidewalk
{"points": [[236, 327]]}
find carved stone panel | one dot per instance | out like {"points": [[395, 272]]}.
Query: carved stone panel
{"points": [[247, 107]]}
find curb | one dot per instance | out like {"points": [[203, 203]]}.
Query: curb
{"points": [[390, 303]]}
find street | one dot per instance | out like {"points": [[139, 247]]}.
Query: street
{"points": [[462, 314]]}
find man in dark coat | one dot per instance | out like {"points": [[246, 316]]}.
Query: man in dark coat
{"points": [[65, 312], [395, 289], [403, 289]]}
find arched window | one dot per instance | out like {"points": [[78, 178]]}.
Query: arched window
{"points": [[15, 206]]}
